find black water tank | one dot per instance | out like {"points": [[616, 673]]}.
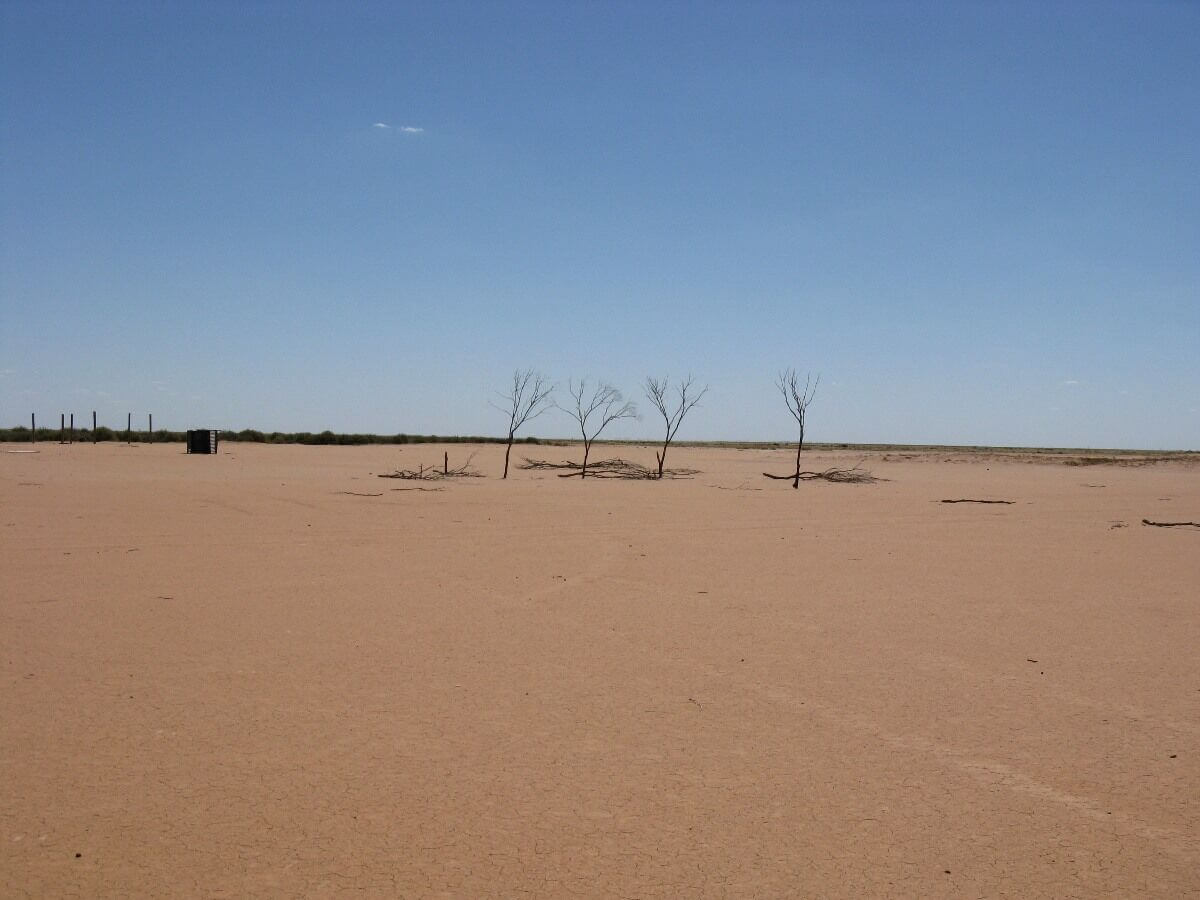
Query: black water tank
{"points": [[202, 440]]}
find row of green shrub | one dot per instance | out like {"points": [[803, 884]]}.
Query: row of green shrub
{"points": [[85, 435], [328, 437]]}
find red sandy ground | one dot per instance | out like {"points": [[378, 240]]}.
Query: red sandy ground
{"points": [[231, 676]]}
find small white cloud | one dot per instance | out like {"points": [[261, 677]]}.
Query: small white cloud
{"points": [[412, 129], [4, 373], [1071, 382], [381, 125]]}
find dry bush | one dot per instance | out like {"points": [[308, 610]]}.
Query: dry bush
{"points": [[853, 475], [433, 473], [607, 468]]}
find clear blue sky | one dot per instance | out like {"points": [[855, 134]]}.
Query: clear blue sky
{"points": [[980, 222]]}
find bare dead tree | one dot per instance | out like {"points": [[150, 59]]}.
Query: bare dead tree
{"points": [[657, 391], [531, 396], [594, 411], [797, 400]]}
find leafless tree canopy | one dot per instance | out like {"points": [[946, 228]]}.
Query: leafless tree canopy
{"points": [[797, 398], [530, 397], [594, 410], [658, 393]]}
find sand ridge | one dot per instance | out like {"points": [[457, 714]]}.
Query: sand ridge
{"points": [[269, 672]]}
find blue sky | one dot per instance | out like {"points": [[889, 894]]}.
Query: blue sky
{"points": [[979, 222]]}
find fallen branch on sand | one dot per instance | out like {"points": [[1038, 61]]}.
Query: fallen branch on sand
{"points": [[357, 494], [855, 475], [432, 473], [1171, 524], [608, 468], [1007, 502]]}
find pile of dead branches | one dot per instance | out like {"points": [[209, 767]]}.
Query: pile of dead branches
{"points": [[433, 473], [607, 468], [853, 475]]}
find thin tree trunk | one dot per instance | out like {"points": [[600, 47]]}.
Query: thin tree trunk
{"points": [[799, 447], [662, 457], [507, 450], [587, 448]]}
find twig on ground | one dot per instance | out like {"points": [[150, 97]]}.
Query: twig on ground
{"points": [[1171, 524], [854, 475], [357, 494], [432, 473], [607, 468], [1006, 502]]}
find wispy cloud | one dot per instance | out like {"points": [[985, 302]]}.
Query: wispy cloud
{"points": [[412, 129], [383, 125], [1071, 382]]}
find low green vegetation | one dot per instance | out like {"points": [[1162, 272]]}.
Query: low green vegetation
{"points": [[249, 435]]}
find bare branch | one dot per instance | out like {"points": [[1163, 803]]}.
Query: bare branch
{"points": [[855, 475], [530, 397], [797, 399], [603, 406], [607, 468], [433, 473]]}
